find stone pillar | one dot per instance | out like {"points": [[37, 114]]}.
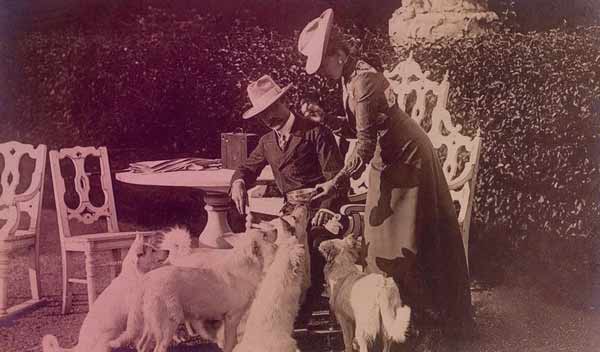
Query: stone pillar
{"points": [[431, 20]]}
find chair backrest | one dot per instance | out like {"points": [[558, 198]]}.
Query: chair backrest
{"points": [[15, 192], [82, 160]]}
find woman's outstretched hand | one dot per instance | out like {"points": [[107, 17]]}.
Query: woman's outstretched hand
{"points": [[325, 189]]}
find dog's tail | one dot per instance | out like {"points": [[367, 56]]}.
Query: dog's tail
{"points": [[135, 320], [50, 344], [394, 316]]}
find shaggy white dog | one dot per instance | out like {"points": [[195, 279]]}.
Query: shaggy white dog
{"points": [[172, 294], [365, 305], [298, 219], [181, 253], [101, 324], [271, 317], [178, 243]]}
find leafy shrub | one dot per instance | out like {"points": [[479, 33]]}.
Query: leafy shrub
{"points": [[533, 97], [536, 15]]}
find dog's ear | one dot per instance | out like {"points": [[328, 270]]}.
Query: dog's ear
{"points": [[138, 245], [256, 234], [157, 239], [249, 248], [255, 248], [354, 242], [269, 233]]}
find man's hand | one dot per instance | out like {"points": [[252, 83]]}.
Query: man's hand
{"points": [[239, 195]]}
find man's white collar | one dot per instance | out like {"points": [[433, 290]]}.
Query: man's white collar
{"points": [[286, 129]]}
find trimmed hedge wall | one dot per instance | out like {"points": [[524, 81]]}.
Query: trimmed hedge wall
{"points": [[169, 82]]}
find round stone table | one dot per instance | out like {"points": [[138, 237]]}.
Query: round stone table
{"points": [[214, 183]]}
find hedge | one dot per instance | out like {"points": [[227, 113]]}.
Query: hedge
{"points": [[171, 81]]}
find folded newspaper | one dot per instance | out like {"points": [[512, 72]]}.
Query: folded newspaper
{"points": [[183, 164]]}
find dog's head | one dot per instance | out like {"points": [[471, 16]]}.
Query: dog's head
{"points": [[299, 220], [255, 248], [281, 228], [345, 250], [145, 253], [284, 229], [269, 228], [177, 243]]}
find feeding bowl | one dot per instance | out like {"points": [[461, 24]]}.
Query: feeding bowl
{"points": [[301, 196]]}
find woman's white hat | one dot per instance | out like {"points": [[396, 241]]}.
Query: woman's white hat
{"points": [[263, 93], [313, 40]]}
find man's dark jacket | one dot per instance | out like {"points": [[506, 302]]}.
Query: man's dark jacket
{"points": [[310, 157]]}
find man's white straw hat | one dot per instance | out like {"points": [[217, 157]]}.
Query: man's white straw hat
{"points": [[263, 93]]}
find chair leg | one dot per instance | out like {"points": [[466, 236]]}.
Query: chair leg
{"points": [[4, 260], [90, 275], [67, 295], [34, 267]]}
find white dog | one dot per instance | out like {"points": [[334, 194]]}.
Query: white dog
{"points": [[101, 324], [365, 305], [178, 243], [174, 293], [271, 317], [299, 220]]}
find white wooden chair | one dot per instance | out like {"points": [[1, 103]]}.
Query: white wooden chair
{"points": [[20, 211], [78, 191]]}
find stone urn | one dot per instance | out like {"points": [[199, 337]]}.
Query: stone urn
{"points": [[431, 20]]}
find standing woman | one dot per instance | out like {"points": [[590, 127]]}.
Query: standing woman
{"points": [[411, 226]]}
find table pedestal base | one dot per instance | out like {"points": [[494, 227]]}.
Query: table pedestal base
{"points": [[217, 205]]}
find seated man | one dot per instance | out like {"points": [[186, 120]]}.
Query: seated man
{"points": [[302, 154]]}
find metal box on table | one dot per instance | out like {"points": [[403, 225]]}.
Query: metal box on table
{"points": [[235, 148]]}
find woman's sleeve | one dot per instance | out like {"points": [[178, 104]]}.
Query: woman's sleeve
{"points": [[339, 126], [368, 91]]}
